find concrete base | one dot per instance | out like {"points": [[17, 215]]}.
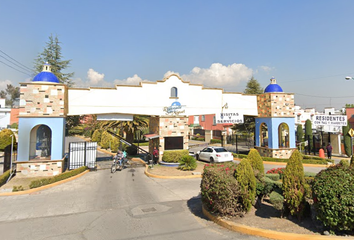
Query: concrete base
{"points": [[39, 168], [275, 153]]}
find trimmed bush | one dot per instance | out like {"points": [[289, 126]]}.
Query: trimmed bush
{"points": [[256, 163], [5, 138], [96, 136], [344, 163], [333, 192], [293, 185], [240, 156], [277, 200], [106, 140], [114, 144], [65, 175], [77, 130], [215, 141], [187, 163], [4, 177], [273, 176], [247, 181], [173, 156], [220, 191]]}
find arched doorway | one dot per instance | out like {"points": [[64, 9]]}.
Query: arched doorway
{"points": [[264, 135], [40, 143], [283, 135]]}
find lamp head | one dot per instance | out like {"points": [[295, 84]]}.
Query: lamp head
{"points": [[348, 78]]}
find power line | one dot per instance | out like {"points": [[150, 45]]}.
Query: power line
{"points": [[322, 96], [14, 68], [23, 66]]}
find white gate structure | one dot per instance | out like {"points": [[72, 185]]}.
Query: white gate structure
{"points": [[82, 154]]}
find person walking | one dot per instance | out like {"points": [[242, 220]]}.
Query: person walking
{"points": [[329, 150]]}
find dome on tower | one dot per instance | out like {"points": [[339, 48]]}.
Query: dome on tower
{"points": [[46, 75], [273, 86]]}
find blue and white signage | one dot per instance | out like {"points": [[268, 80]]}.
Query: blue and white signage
{"points": [[229, 117], [176, 108], [330, 120]]}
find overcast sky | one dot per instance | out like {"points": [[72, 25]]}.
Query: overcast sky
{"points": [[306, 45]]}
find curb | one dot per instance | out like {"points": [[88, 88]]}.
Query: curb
{"points": [[265, 232], [43, 187]]}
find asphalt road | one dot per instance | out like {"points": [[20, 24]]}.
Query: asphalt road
{"points": [[101, 205]]}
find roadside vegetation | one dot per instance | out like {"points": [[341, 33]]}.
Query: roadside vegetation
{"points": [[231, 189]]}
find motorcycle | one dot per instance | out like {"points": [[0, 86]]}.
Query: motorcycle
{"points": [[118, 164]]}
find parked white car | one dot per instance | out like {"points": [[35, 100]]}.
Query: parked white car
{"points": [[214, 154]]}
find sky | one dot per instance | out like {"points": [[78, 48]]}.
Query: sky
{"points": [[306, 45]]}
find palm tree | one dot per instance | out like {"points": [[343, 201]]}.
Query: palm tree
{"points": [[129, 127]]}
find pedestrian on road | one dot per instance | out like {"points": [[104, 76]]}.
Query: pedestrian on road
{"points": [[155, 154], [329, 150]]}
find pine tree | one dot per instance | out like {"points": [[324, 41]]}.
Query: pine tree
{"points": [[308, 132], [52, 54], [299, 133], [347, 139], [253, 87]]}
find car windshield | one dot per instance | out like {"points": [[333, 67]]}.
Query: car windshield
{"points": [[220, 150]]}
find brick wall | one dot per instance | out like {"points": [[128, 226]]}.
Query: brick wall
{"points": [[43, 100], [39, 168], [275, 153], [275, 105]]}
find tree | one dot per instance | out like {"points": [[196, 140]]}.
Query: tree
{"points": [[11, 93], [253, 87], [52, 55], [248, 125], [347, 139], [308, 132], [299, 133]]}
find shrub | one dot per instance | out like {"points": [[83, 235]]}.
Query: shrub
{"points": [[65, 175], [277, 200], [220, 190], [293, 185], [96, 136], [279, 171], [77, 130], [187, 163], [273, 176], [14, 125], [240, 156], [256, 163], [173, 156], [344, 163], [333, 192], [215, 141], [106, 140], [4, 177], [5, 138], [87, 132], [115, 144], [17, 188], [247, 181]]}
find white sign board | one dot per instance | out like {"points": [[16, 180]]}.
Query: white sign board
{"points": [[330, 120], [229, 117]]}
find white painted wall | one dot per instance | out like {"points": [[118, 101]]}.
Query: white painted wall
{"points": [[150, 98]]}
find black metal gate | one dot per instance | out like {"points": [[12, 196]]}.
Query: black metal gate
{"points": [[82, 154], [242, 143], [7, 157]]}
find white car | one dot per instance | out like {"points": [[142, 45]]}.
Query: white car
{"points": [[214, 154]]}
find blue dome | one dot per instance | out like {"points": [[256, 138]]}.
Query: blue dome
{"points": [[46, 75], [176, 104], [273, 87]]}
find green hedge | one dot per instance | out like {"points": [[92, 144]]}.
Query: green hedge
{"points": [[65, 175], [273, 176], [240, 156], [215, 141], [173, 156], [4, 177]]}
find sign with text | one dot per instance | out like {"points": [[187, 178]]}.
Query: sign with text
{"points": [[229, 117], [330, 120]]}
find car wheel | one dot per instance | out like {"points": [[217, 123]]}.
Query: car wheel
{"points": [[212, 160]]}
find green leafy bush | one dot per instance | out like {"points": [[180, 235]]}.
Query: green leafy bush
{"points": [[77, 130], [215, 141], [293, 185], [187, 163], [220, 190], [106, 140], [257, 163], [14, 125], [273, 176], [96, 136], [344, 163], [114, 144], [333, 192], [240, 156], [5, 138], [247, 181], [65, 175], [277, 200], [4, 177], [17, 188], [173, 156]]}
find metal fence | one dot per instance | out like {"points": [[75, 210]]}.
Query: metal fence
{"points": [[82, 154], [243, 143]]}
